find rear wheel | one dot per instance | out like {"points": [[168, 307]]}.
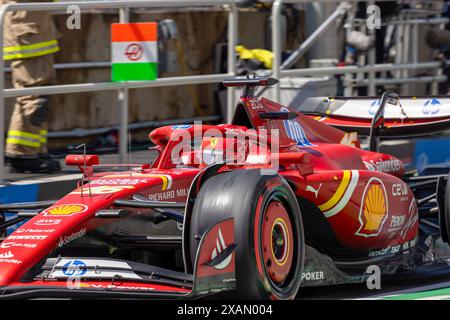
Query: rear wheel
{"points": [[268, 230]]}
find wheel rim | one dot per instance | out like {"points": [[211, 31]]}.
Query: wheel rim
{"points": [[277, 242]]}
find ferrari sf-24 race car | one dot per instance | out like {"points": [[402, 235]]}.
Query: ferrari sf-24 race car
{"points": [[213, 213]]}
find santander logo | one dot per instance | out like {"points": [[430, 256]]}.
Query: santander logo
{"points": [[220, 246]]}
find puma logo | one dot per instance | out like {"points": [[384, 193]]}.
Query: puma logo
{"points": [[315, 191]]}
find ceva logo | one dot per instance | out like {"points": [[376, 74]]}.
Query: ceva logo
{"points": [[431, 107]]}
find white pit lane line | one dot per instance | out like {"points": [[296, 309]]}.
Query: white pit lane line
{"points": [[435, 286]]}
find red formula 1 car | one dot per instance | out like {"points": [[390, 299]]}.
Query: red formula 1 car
{"points": [[269, 203]]}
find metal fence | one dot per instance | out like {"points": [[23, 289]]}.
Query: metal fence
{"points": [[279, 69], [409, 26], [121, 87]]}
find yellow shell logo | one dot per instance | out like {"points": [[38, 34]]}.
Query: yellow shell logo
{"points": [[66, 210], [374, 209]]}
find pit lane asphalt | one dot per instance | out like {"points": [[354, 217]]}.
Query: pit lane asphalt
{"points": [[390, 285]]}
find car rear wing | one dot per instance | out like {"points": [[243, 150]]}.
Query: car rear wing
{"points": [[249, 84], [402, 117]]}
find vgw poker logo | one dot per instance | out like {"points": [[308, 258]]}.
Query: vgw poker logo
{"points": [[431, 107]]}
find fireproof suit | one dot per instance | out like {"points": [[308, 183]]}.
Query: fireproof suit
{"points": [[29, 41]]}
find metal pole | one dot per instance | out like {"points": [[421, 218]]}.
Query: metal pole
{"points": [[371, 61], [404, 89], [116, 4], [362, 59], [399, 45], [276, 45], [232, 41], [348, 90], [3, 11], [356, 69], [124, 17], [309, 42], [108, 86], [418, 79], [439, 71], [415, 52]]}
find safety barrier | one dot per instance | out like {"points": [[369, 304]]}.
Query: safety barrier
{"points": [[121, 87]]}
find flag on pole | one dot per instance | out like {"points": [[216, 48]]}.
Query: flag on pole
{"points": [[134, 51]]}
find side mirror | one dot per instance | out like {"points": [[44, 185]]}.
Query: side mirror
{"points": [[82, 160]]}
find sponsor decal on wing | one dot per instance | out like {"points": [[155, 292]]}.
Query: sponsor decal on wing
{"points": [[28, 230], [10, 244], [47, 222], [113, 182], [8, 257], [74, 268], [65, 240], [431, 107], [65, 210], [26, 237], [166, 179]]}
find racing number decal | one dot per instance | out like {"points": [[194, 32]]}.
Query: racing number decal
{"points": [[350, 139]]}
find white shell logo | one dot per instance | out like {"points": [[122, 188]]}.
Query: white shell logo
{"points": [[220, 246]]}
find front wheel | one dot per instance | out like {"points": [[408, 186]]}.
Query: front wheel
{"points": [[268, 230]]}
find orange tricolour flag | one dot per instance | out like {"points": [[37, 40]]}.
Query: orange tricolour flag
{"points": [[134, 51]]}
